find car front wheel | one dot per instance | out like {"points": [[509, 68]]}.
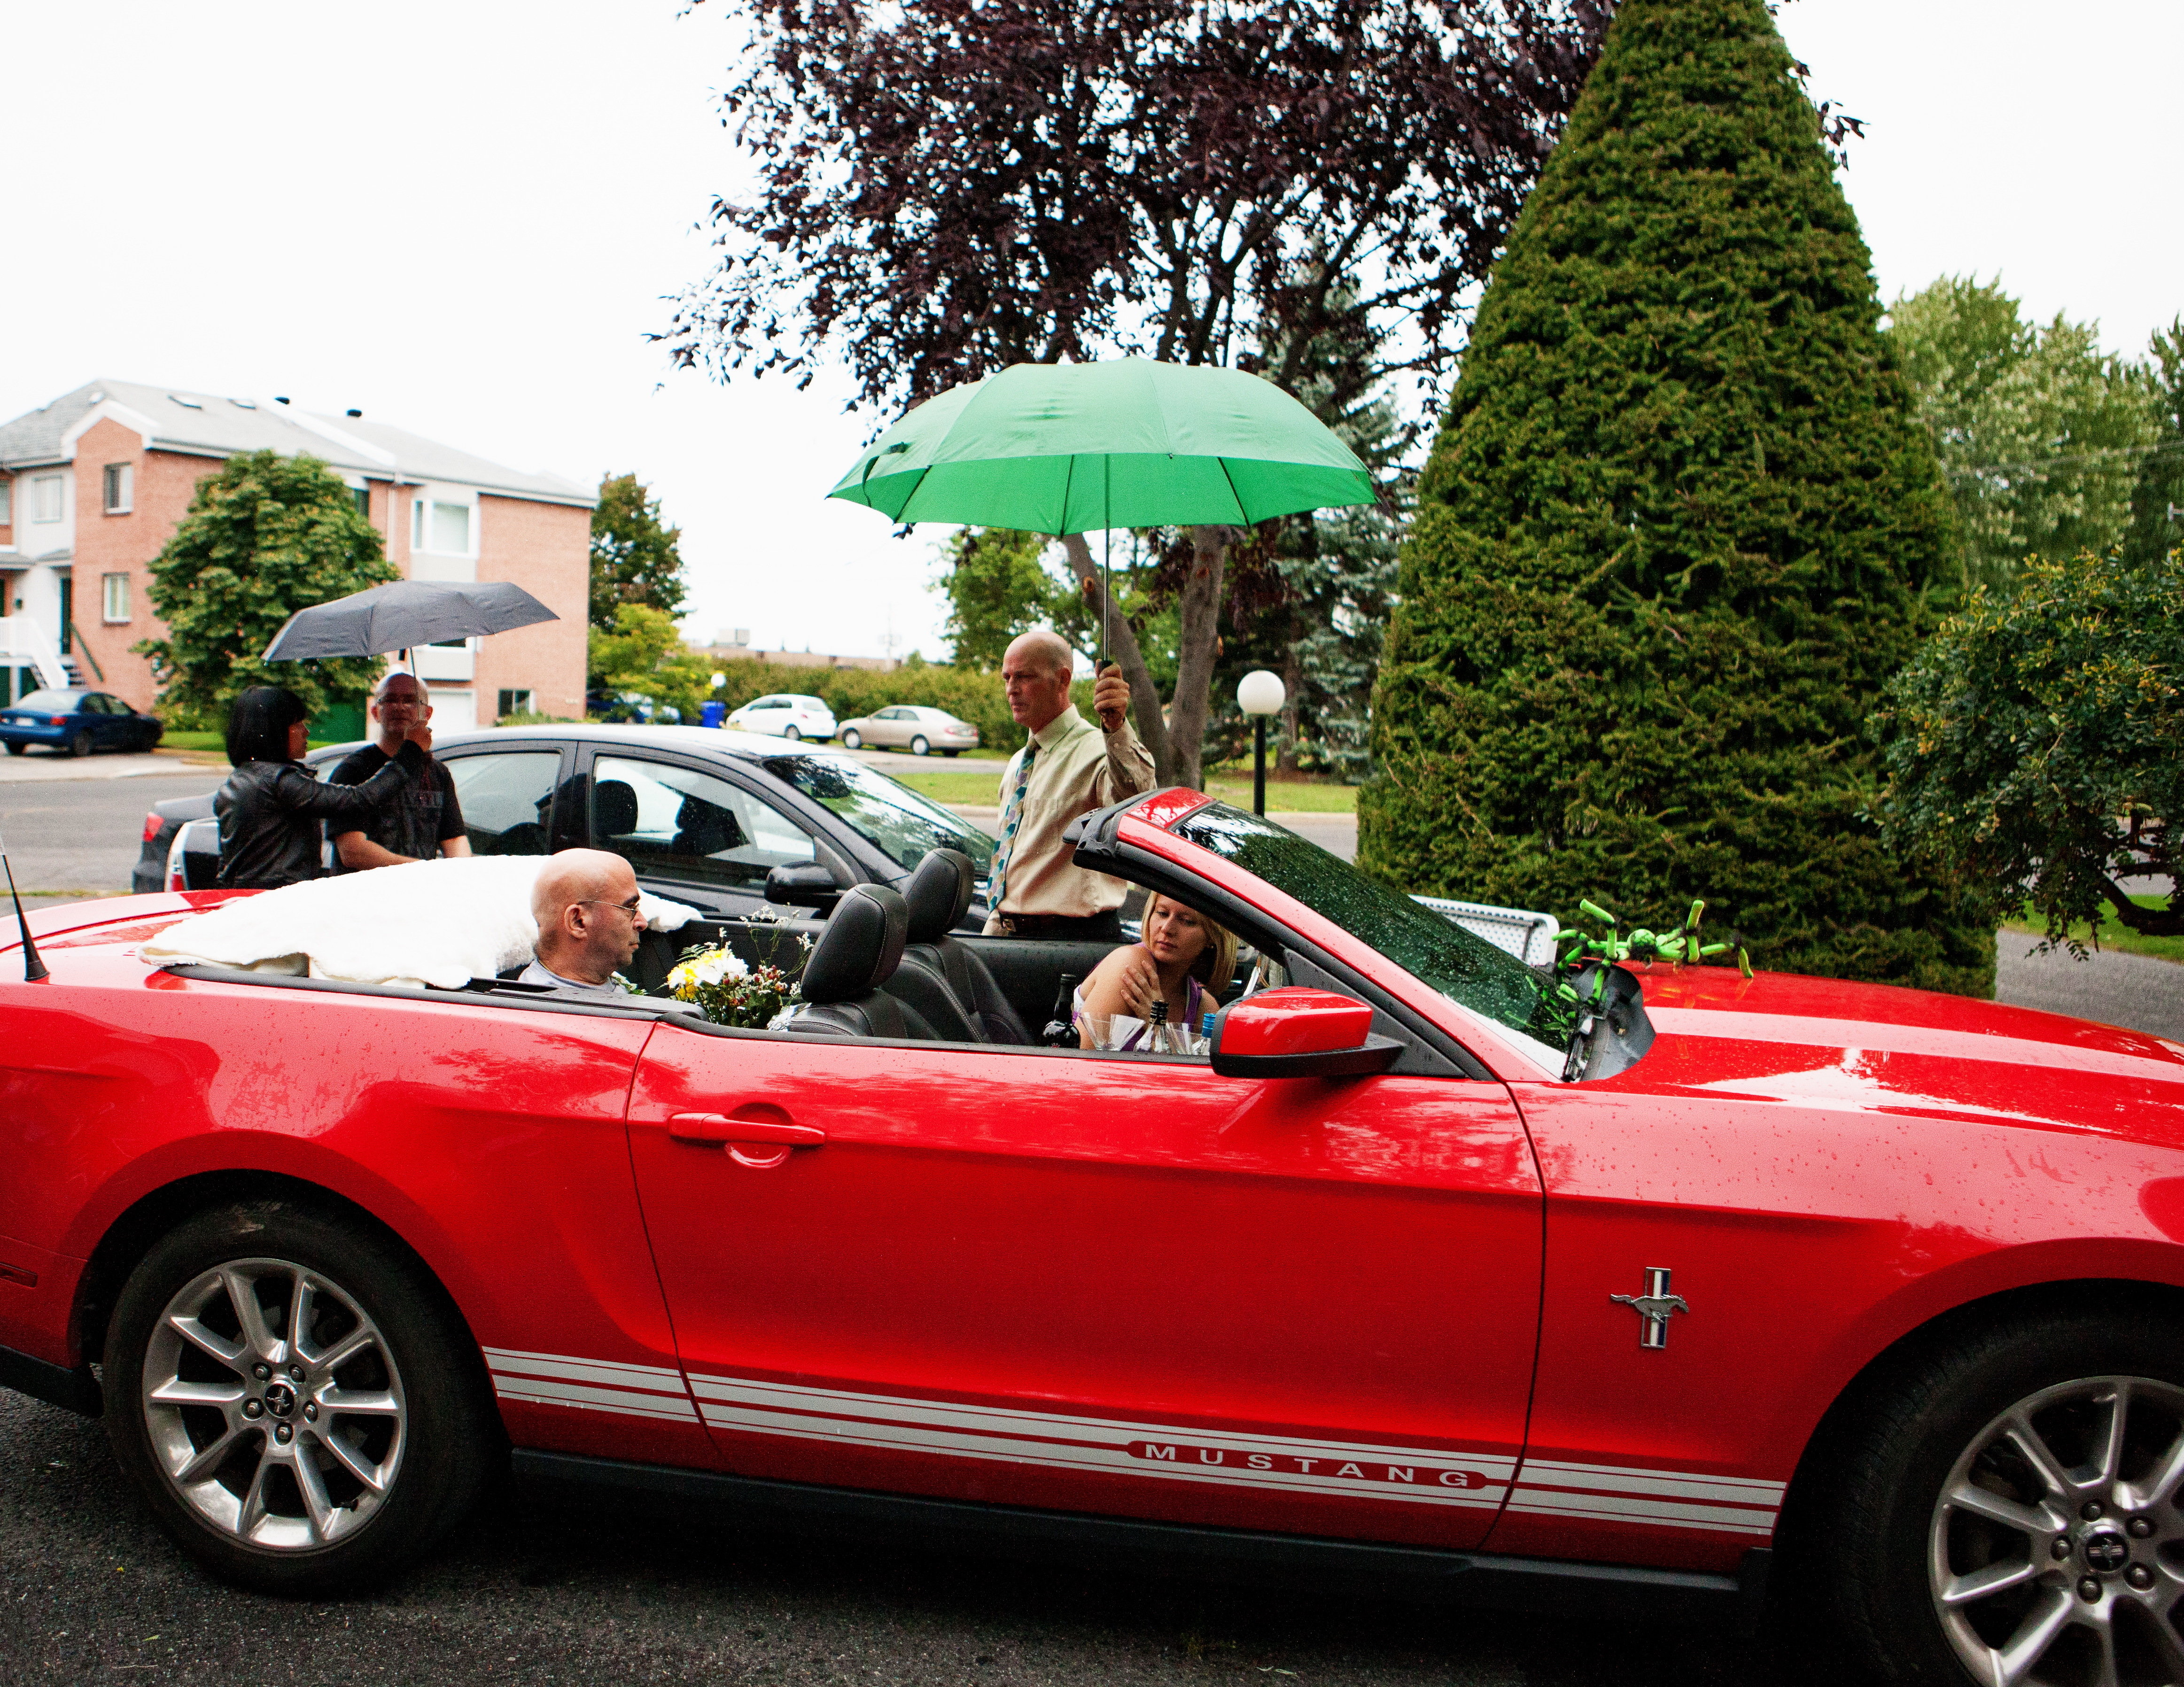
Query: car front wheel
{"points": [[920, 745], [853, 739], [294, 1399], [2014, 1516]]}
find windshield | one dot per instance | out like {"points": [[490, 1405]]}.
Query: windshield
{"points": [[1461, 965], [895, 818], [50, 700]]}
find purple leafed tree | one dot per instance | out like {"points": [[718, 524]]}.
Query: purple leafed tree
{"points": [[947, 188]]}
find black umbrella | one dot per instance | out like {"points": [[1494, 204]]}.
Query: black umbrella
{"points": [[407, 613]]}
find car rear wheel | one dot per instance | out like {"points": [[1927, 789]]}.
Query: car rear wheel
{"points": [[920, 745], [14, 749], [853, 739], [791, 733], [293, 1398], [951, 754], [2014, 1516], [79, 743]]}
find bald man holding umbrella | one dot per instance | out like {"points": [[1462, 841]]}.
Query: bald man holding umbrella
{"points": [[1069, 766]]}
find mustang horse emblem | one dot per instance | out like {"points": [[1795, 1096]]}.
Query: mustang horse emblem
{"points": [[1656, 1307]]}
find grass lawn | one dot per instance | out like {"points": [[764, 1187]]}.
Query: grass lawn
{"points": [[215, 744], [983, 790], [2113, 935]]}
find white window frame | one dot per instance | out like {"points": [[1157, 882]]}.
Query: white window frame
{"points": [[422, 505], [121, 477], [44, 487], [7, 500], [112, 587]]}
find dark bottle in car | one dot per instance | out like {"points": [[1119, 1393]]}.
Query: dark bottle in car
{"points": [[1060, 1030]]}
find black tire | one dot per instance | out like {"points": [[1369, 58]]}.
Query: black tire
{"points": [[853, 739], [79, 743], [920, 745], [1893, 1536], [421, 1418], [951, 754], [790, 732], [14, 749]]}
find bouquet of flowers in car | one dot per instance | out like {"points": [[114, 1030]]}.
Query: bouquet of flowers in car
{"points": [[728, 990]]}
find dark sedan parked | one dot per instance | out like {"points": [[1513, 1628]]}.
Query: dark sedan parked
{"points": [[76, 722], [714, 819]]}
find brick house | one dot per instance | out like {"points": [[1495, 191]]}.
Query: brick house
{"points": [[93, 485]]}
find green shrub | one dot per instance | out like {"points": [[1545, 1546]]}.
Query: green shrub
{"points": [[2036, 745], [1671, 541]]}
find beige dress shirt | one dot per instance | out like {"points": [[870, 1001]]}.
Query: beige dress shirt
{"points": [[1079, 769]]}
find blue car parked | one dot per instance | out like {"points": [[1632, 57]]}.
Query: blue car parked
{"points": [[76, 722]]}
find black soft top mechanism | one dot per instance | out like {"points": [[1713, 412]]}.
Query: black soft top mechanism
{"points": [[1095, 834]]}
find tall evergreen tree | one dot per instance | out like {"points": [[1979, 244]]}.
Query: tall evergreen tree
{"points": [[1672, 539], [635, 557]]}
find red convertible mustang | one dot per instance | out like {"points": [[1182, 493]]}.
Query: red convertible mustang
{"points": [[1896, 1280]]}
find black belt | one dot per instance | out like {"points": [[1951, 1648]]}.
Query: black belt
{"points": [[1108, 924]]}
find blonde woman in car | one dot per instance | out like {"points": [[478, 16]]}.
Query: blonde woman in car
{"points": [[1184, 959]]}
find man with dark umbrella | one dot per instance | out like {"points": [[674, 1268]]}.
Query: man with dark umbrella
{"points": [[421, 820]]}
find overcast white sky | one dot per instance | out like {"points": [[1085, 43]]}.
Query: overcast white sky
{"points": [[462, 218]]}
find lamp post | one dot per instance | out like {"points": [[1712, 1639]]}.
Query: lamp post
{"points": [[1259, 694]]}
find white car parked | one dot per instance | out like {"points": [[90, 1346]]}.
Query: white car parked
{"points": [[904, 726], [786, 715]]}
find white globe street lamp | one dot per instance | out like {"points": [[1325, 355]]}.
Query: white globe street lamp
{"points": [[1260, 693]]}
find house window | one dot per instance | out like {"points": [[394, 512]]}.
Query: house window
{"points": [[46, 499], [441, 528], [7, 503], [120, 488], [113, 596], [363, 497], [68, 615], [513, 703]]}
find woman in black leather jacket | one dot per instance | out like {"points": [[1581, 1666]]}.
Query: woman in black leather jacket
{"points": [[271, 807]]}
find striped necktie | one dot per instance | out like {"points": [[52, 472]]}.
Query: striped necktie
{"points": [[1011, 817]]}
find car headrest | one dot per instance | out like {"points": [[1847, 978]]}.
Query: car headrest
{"points": [[614, 809], [938, 894], [860, 947]]}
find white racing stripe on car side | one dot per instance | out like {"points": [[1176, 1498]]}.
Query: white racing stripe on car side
{"points": [[1433, 1476], [1439, 1476], [1669, 1498], [589, 1385]]}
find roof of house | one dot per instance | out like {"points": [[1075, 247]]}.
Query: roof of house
{"points": [[213, 425]]}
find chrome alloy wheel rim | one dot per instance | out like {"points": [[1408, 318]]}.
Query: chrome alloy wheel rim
{"points": [[274, 1409], [2056, 1551]]}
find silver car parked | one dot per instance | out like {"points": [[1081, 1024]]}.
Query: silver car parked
{"points": [[910, 727]]}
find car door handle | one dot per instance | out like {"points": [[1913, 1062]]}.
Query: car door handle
{"points": [[760, 1142]]}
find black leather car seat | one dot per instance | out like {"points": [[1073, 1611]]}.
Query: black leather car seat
{"points": [[941, 977], [614, 809], [858, 953]]}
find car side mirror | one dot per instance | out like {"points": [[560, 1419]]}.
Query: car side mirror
{"points": [[1299, 1033], [802, 884]]}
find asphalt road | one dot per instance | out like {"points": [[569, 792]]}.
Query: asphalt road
{"points": [[83, 834], [541, 1589]]}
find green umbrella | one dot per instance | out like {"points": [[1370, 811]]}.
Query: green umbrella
{"points": [[1063, 448]]}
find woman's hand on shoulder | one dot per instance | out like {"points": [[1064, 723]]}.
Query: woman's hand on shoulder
{"points": [[1125, 981]]}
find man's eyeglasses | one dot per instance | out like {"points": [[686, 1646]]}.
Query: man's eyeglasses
{"points": [[628, 907]]}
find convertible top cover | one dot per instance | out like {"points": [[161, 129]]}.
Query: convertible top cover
{"points": [[441, 923]]}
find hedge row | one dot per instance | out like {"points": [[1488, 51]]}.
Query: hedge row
{"points": [[851, 692]]}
